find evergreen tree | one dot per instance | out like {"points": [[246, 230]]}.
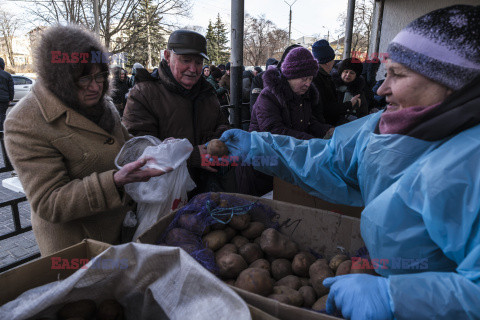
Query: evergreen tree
{"points": [[216, 42], [149, 35]]}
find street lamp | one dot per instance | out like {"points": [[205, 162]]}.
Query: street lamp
{"points": [[290, 22]]}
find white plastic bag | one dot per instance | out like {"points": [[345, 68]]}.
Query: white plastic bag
{"points": [[158, 196], [150, 282]]}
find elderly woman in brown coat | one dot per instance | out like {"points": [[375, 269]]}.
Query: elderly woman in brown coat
{"points": [[62, 140]]}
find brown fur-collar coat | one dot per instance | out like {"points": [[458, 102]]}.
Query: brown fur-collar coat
{"points": [[65, 163]]}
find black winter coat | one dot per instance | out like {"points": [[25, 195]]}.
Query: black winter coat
{"points": [[357, 86], [6, 87]]}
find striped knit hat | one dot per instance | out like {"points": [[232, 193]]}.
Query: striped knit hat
{"points": [[443, 45]]}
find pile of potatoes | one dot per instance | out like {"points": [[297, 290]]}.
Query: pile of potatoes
{"points": [[263, 260]]}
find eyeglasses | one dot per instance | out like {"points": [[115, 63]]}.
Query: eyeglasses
{"points": [[85, 81]]}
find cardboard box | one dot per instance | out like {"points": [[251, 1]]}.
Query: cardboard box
{"points": [[38, 272], [287, 192], [311, 228]]}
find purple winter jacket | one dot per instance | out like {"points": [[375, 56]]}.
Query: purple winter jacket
{"points": [[279, 110]]}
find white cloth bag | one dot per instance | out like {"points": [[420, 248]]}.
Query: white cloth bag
{"points": [[162, 194], [150, 282]]}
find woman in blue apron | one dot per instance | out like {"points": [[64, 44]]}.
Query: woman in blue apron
{"points": [[414, 167]]}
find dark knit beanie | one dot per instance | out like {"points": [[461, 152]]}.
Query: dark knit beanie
{"points": [[347, 64], [215, 72], [299, 63], [323, 52], [271, 62], [443, 45], [2, 64], [258, 69]]}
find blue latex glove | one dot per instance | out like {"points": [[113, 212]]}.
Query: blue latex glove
{"points": [[359, 297], [238, 142]]}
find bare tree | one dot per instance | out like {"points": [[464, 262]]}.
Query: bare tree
{"points": [[8, 26], [117, 17], [362, 25], [262, 40]]}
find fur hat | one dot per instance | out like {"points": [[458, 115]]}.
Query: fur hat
{"points": [[443, 45], [215, 72], [347, 64], [299, 63], [323, 52], [61, 77]]}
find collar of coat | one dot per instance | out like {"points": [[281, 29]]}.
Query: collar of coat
{"points": [[165, 76], [277, 84], [52, 108]]}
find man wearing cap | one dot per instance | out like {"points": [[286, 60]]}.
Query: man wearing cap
{"points": [[180, 103], [328, 108]]}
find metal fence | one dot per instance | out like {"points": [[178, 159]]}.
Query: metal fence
{"points": [[15, 213]]}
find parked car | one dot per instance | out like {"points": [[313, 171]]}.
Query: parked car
{"points": [[22, 86]]}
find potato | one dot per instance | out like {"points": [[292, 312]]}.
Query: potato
{"points": [[290, 281], [217, 148], [240, 222], [277, 245], [344, 268], [239, 241], [281, 268], [295, 298], [230, 265], [309, 296], [336, 260], [230, 233], [257, 240], [218, 226], [260, 263], [82, 308], [228, 248], [215, 239], [230, 282], [110, 310], [178, 236], [250, 252], [191, 222], [254, 230], [301, 263], [320, 304], [305, 281], [319, 271], [255, 280]]}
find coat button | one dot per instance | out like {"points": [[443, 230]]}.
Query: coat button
{"points": [[301, 104], [109, 141], [301, 120]]}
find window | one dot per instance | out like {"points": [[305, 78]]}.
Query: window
{"points": [[21, 80]]}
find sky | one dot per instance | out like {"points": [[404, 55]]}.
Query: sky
{"points": [[309, 17]]}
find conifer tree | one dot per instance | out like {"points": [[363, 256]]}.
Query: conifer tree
{"points": [[217, 42]]}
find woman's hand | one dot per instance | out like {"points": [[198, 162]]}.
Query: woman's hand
{"points": [[133, 172], [356, 100]]}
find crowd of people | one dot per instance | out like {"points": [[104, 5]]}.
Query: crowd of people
{"points": [[412, 164]]}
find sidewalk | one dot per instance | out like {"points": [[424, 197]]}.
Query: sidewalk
{"points": [[20, 246]]}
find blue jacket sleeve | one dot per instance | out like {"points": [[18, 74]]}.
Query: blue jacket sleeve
{"points": [[324, 168], [449, 183]]}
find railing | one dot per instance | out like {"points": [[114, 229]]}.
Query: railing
{"points": [[15, 214]]}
